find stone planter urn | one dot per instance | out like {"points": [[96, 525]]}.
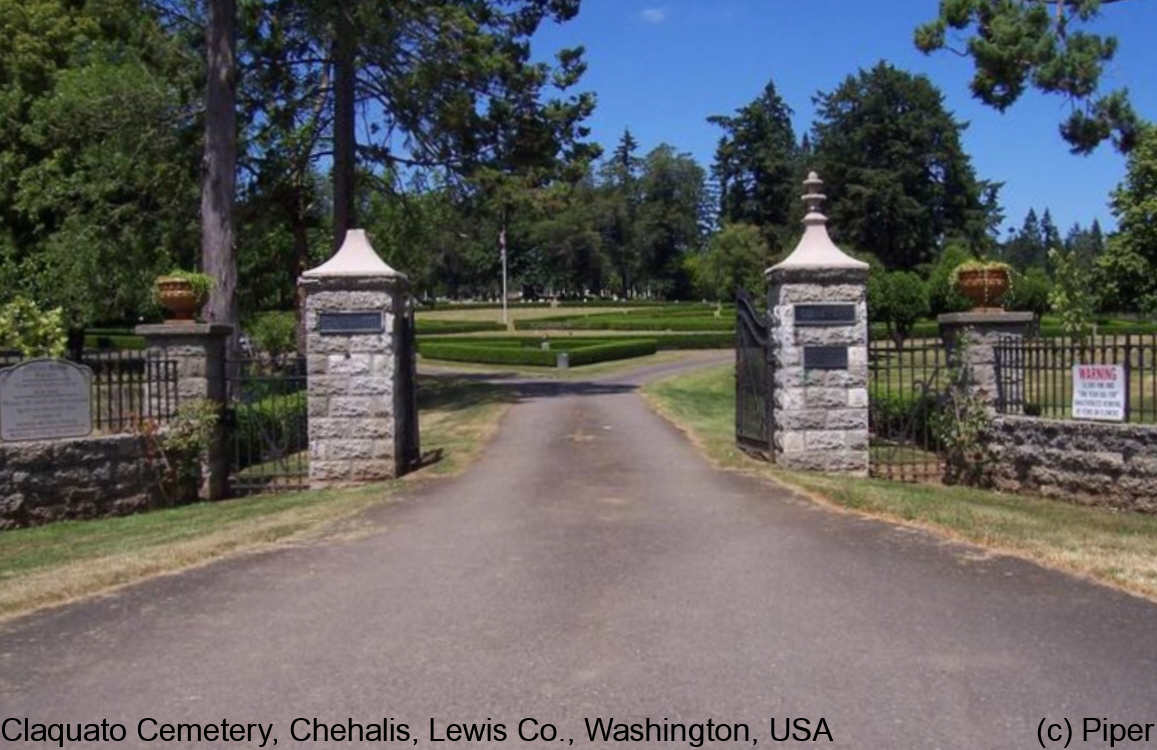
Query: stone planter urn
{"points": [[179, 296], [984, 287]]}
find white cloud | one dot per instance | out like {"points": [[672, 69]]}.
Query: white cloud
{"points": [[654, 15]]}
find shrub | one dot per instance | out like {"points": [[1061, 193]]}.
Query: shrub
{"points": [[907, 415], [32, 332], [898, 299], [1030, 291], [274, 331], [275, 422]]}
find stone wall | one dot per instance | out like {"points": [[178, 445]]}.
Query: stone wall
{"points": [[1092, 463], [54, 480]]}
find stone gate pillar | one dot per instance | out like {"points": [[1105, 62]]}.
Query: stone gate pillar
{"points": [[992, 381], [818, 346], [360, 367], [197, 351]]}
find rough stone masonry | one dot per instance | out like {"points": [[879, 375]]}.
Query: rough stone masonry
{"points": [[820, 371], [353, 309]]}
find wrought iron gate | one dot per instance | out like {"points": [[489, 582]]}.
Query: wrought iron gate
{"points": [[267, 425], [906, 397], [409, 448], [752, 378]]}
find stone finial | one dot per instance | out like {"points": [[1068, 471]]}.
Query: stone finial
{"points": [[815, 248], [355, 257]]}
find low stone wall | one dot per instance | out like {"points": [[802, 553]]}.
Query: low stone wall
{"points": [[1091, 463], [53, 480]]}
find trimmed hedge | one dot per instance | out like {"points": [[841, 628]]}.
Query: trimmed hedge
{"points": [[588, 355], [716, 340], [562, 303], [490, 355], [528, 351], [428, 327], [628, 322]]}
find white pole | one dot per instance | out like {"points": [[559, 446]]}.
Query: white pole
{"points": [[502, 244]]}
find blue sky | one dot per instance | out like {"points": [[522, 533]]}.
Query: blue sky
{"points": [[662, 68]]}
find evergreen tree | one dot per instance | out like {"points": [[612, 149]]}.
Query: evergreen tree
{"points": [[1017, 43], [756, 165], [897, 178]]}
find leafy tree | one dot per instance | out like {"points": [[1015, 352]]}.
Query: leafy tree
{"points": [[99, 157], [1087, 243], [1030, 291], [735, 258], [898, 180], [27, 329], [671, 216], [1071, 297], [619, 212], [1128, 267], [899, 299], [756, 165], [1015, 43]]}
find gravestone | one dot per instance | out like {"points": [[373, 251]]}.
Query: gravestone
{"points": [[360, 359], [818, 346], [44, 399]]}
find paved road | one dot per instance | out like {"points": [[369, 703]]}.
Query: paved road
{"points": [[591, 564]]}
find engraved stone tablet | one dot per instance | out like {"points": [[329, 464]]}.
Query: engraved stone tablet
{"points": [[825, 358], [45, 398], [361, 321], [825, 315]]}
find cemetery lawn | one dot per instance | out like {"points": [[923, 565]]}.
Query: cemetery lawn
{"points": [[52, 564], [1113, 547]]}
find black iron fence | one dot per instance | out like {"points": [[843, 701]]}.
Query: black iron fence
{"points": [[906, 387], [129, 388], [1035, 376], [753, 378]]}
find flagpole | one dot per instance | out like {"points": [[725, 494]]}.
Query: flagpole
{"points": [[502, 244]]}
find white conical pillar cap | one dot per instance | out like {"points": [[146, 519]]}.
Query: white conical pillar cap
{"points": [[355, 257], [815, 248]]}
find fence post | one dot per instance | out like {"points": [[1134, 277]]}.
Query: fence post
{"points": [[198, 352], [986, 331], [818, 341], [360, 365]]}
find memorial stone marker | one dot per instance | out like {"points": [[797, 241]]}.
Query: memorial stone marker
{"points": [[44, 399]]}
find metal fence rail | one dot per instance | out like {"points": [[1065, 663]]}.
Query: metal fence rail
{"points": [[267, 425], [129, 388], [1035, 375], [906, 387], [753, 379]]}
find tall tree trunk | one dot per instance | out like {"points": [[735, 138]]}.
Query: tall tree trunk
{"points": [[220, 165], [344, 133]]}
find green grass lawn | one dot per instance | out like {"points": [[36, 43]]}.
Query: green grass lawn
{"points": [[1114, 547], [51, 564]]}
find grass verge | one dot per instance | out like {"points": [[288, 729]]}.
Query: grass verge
{"points": [[52, 564], [1113, 547]]}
